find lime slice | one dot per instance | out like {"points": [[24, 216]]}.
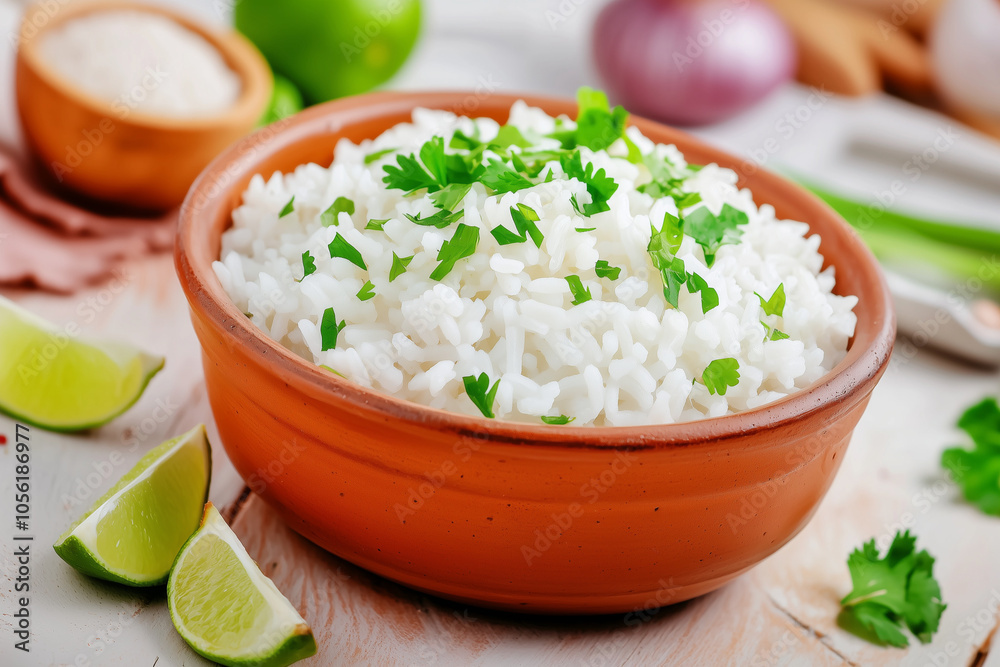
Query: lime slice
{"points": [[133, 533], [53, 381], [224, 606]]}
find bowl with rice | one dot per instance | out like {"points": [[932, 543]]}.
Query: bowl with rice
{"points": [[525, 353]]}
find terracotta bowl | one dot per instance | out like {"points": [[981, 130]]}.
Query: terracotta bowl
{"points": [[521, 517], [115, 154]]}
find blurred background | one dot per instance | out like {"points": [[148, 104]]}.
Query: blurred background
{"points": [[888, 109]]}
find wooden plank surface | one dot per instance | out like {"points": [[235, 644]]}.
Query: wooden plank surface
{"points": [[781, 613]]}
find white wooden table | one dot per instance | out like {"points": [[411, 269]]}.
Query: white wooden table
{"points": [[781, 613]]}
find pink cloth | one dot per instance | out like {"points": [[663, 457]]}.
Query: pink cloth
{"points": [[53, 244]]}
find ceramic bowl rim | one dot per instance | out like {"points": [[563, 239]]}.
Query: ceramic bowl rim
{"points": [[853, 377]]}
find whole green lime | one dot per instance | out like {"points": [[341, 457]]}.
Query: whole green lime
{"points": [[332, 48]]}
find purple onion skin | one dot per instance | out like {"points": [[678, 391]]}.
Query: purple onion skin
{"points": [[691, 63]]}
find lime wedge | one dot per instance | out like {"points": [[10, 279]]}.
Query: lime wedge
{"points": [[226, 609], [53, 381], [133, 533]]}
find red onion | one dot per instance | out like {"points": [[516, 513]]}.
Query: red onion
{"points": [[688, 62]]}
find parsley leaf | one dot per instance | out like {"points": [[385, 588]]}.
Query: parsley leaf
{"points": [[776, 304], [339, 205], [597, 125], [501, 177], [711, 231], [559, 421], [439, 219], [376, 225], [524, 218], [585, 229], [581, 294], [339, 247], [663, 244], [433, 157], [288, 208], [461, 245], [778, 334], [373, 157], [892, 591], [462, 140], [308, 264], [480, 393], [599, 184], [399, 265], [408, 176], [367, 291], [450, 196], [977, 471], [605, 270], [507, 136], [721, 374], [709, 297], [334, 371], [329, 329]]}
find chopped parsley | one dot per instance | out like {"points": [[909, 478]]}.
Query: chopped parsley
{"points": [[339, 205], [440, 218], [373, 157], [605, 270], [408, 175], [399, 265], [776, 304], [977, 471], [893, 592], [481, 393], [585, 229], [376, 225], [581, 294], [712, 231], [561, 420], [599, 184], [334, 371], [308, 264], [524, 218], [508, 136], [367, 291], [720, 375], [709, 297], [288, 208], [461, 245], [450, 196], [501, 177], [339, 247], [329, 329]]}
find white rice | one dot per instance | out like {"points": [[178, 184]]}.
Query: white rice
{"points": [[626, 357], [144, 61]]}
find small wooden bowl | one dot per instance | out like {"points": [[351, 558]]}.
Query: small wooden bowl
{"points": [[123, 156], [517, 516]]}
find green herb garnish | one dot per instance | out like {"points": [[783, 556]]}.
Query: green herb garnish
{"points": [[480, 393], [408, 175], [288, 208], [721, 374], [450, 196], [711, 231], [599, 184], [339, 247], [892, 592], [376, 225], [335, 372], [461, 245], [329, 329], [339, 205], [776, 304], [308, 264], [581, 294], [585, 229], [605, 270], [558, 421], [501, 177], [372, 157], [399, 265], [439, 219], [709, 297], [367, 291], [977, 470], [524, 218]]}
